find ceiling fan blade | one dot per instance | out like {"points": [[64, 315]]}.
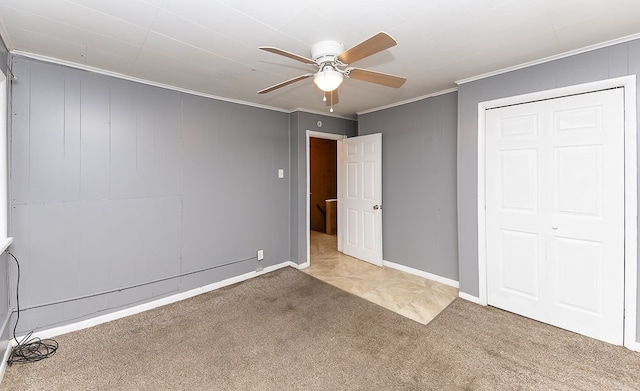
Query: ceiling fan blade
{"points": [[332, 97], [287, 54], [373, 45], [285, 83], [384, 79]]}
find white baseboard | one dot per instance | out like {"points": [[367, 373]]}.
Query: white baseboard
{"points": [[301, 266], [468, 297], [476, 300], [420, 273], [10, 345], [5, 358], [50, 333]]}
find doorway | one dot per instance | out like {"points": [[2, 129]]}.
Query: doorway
{"points": [[359, 200], [323, 197], [323, 183], [316, 206]]}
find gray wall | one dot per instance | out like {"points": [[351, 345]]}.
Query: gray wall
{"points": [[6, 264], [299, 123], [614, 61], [115, 183], [418, 183]]}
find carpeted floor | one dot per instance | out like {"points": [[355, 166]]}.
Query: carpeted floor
{"points": [[288, 331]]}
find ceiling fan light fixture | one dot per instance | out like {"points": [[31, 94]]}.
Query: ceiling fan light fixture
{"points": [[328, 79]]}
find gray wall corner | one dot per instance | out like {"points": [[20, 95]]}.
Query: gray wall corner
{"points": [[419, 182]]}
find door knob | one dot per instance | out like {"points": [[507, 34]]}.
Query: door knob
{"points": [[376, 207], [554, 227]]}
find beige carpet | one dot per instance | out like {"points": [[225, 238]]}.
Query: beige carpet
{"points": [[288, 331]]}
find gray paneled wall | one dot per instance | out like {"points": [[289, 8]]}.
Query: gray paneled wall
{"points": [[115, 183], [6, 290], [418, 183], [234, 203], [614, 61]]}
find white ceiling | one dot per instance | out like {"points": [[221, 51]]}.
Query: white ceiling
{"points": [[210, 46]]}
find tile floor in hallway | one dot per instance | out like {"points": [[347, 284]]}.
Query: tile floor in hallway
{"points": [[414, 297]]}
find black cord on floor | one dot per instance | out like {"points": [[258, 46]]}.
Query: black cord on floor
{"points": [[28, 349]]}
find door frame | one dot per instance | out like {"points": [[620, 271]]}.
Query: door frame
{"points": [[326, 136], [630, 190]]}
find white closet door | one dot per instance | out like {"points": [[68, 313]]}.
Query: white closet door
{"points": [[555, 212]]}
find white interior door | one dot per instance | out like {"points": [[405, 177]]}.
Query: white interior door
{"points": [[555, 212], [361, 200]]}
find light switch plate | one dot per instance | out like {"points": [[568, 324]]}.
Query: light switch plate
{"points": [[280, 173]]}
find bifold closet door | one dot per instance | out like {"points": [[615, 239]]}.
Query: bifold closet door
{"points": [[555, 212]]}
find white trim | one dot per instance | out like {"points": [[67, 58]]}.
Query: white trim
{"points": [[470, 298], [5, 358], [631, 189], [550, 58], [10, 345], [144, 81], [420, 273], [411, 100], [481, 202], [5, 243], [301, 266], [4, 153], [339, 190], [631, 213], [84, 324], [327, 136], [327, 114], [637, 348]]}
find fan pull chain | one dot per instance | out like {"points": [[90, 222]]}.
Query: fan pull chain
{"points": [[331, 98]]}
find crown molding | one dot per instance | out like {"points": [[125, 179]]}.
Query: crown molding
{"points": [[551, 58], [322, 113], [143, 81], [404, 102]]}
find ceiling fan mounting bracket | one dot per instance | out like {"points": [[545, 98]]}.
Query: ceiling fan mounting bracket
{"points": [[331, 66], [326, 52]]}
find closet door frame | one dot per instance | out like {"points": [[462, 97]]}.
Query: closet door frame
{"points": [[630, 163]]}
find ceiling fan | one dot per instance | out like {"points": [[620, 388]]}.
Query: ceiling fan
{"points": [[332, 63]]}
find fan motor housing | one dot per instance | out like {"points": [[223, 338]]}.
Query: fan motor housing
{"points": [[326, 51]]}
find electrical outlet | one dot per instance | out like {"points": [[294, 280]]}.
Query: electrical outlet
{"points": [[260, 255], [259, 269]]}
